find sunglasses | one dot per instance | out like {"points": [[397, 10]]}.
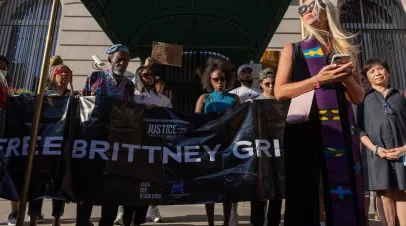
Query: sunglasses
{"points": [[303, 9], [63, 72], [267, 84], [219, 79], [148, 75]]}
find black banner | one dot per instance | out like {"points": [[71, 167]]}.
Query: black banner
{"points": [[106, 151]]}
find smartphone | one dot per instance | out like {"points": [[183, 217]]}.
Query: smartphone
{"points": [[341, 59]]}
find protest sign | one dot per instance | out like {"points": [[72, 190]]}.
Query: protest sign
{"points": [[168, 54]]}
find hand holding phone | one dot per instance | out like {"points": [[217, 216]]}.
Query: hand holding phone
{"points": [[341, 59]]}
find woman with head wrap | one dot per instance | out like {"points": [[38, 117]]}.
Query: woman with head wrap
{"points": [[60, 76]]}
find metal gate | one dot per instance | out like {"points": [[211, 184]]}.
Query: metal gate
{"points": [[184, 86], [23, 30], [382, 33]]}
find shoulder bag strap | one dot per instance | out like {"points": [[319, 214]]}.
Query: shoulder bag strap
{"points": [[212, 102]]}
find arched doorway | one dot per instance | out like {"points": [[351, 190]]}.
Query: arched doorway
{"points": [[382, 33], [23, 30]]}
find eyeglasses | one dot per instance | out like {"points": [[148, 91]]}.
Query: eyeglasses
{"points": [[219, 79], [303, 9], [148, 75], [63, 72]]}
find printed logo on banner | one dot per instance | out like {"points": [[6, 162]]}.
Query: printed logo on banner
{"points": [[177, 190], [166, 128]]}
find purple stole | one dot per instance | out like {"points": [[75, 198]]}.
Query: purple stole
{"points": [[341, 152]]}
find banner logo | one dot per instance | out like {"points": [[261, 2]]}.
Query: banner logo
{"points": [[166, 128], [177, 190]]}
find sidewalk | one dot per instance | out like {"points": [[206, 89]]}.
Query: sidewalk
{"points": [[186, 215]]}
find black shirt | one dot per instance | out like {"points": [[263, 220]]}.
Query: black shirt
{"points": [[388, 129], [383, 120]]}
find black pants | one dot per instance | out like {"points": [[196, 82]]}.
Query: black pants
{"points": [[136, 214], [84, 211], [258, 213], [35, 207]]}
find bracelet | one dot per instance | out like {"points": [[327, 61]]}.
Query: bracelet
{"points": [[317, 83], [375, 149]]}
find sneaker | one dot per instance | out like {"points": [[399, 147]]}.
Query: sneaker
{"points": [[12, 219], [157, 220], [41, 219], [119, 221], [322, 223], [154, 215]]}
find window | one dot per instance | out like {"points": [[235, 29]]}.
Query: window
{"points": [[23, 30]]}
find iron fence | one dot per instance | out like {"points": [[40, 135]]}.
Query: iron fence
{"points": [[23, 30], [381, 25]]}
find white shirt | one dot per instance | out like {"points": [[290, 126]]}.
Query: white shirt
{"points": [[246, 93], [152, 98]]}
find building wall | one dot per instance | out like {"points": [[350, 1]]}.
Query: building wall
{"points": [[80, 37], [289, 29]]}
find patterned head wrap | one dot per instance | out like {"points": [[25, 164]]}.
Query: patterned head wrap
{"points": [[118, 48]]}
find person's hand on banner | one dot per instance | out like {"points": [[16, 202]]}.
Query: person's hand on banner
{"points": [[77, 94], [149, 62]]}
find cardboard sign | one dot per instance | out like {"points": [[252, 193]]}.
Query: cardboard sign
{"points": [[168, 54]]}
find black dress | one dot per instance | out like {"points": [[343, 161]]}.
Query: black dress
{"points": [[304, 156], [384, 122]]}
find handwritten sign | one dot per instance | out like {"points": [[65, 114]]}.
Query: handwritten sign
{"points": [[168, 54]]}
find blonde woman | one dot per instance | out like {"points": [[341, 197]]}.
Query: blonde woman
{"points": [[60, 76], [327, 141]]}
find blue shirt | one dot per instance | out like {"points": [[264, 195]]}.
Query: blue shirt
{"points": [[219, 102]]}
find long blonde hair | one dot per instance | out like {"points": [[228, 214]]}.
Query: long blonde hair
{"points": [[341, 41]]}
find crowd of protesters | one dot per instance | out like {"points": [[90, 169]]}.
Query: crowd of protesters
{"points": [[380, 118]]}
